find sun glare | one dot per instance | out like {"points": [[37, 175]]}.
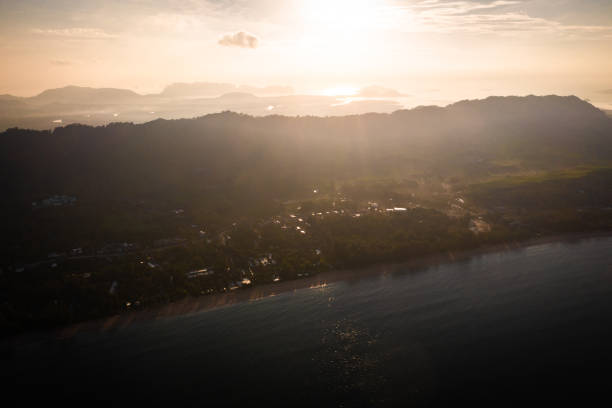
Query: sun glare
{"points": [[340, 14], [336, 33]]}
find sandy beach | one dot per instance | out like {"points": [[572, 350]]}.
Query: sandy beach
{"points": [[192, 305]]}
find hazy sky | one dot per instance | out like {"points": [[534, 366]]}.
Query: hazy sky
{"points": [[454, 48]]}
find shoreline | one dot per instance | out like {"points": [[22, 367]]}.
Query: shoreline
{"points": [[192, 305]]}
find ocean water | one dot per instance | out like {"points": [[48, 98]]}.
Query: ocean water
{"points": [[513, 328]]}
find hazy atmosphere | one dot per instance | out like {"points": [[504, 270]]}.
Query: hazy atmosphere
{"points": [[432, 51], [320, 203]]}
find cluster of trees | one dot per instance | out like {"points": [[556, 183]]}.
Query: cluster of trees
{"points": [[172, 179], [573, 200], [80, 289]]}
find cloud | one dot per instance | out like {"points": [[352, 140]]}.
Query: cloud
{"points": [[239, 39], [207, 89], [504, 17], [167, 23], [375, 91], [461, 6], [61, 63], [77, 33], [267, 90]]}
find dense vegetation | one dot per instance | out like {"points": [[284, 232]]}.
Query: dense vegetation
{"points": [[99, 220]]}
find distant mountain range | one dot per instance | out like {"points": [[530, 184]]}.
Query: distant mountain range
{"points": [[209, 89], [97, 106], [73, 95]]}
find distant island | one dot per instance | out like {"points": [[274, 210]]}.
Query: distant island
{"points": [[102, 220], [101, 106]]}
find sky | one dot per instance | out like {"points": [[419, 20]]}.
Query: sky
{"points": [[442, 49]]}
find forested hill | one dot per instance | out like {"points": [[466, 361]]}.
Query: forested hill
{"points": [[154, 207], [278, 157]]}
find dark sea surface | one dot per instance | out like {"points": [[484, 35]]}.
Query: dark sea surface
{"points": [[530, 326]]}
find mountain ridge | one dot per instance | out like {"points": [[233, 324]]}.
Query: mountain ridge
{"points": [[97, 106], [486, 106]]}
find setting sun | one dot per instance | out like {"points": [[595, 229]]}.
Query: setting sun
{"points": [[346, 15], [336, 36]]}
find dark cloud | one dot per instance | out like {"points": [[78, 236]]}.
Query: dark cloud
{"points": [[239, 39]]}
